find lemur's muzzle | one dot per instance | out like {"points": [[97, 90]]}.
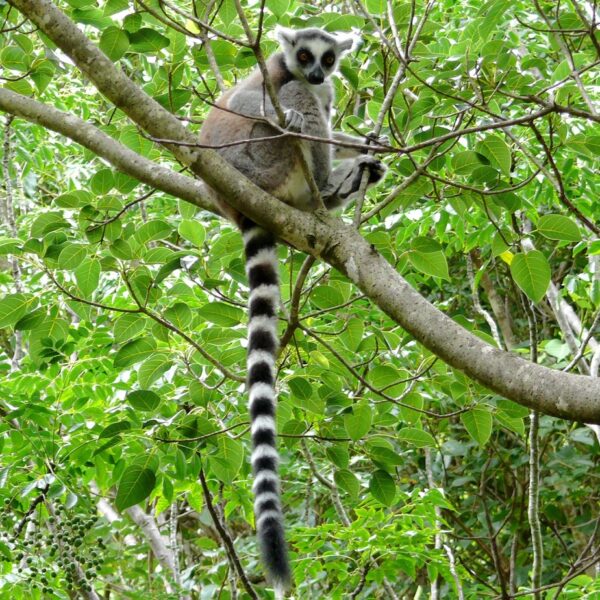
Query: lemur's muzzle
{"points": [[316, 77]]}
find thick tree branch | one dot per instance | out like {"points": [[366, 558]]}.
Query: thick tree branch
{"points": [[156, 541], [563, 395], [103, 145]]}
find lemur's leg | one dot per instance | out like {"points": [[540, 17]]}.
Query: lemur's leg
{"points": [[344, 181]]}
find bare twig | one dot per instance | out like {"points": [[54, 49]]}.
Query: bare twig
{"points": [[225, 538]]}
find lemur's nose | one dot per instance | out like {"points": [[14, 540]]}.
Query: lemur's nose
{"points": [[316, 77]]}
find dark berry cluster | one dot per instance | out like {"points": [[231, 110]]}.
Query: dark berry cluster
{"points": [[60, 554]]}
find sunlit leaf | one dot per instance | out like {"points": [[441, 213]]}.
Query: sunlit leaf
{"points": [[382, 487], [531, 273], [135, 485]]}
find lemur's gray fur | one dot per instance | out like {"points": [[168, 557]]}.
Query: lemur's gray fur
{"points": [[300, 75]]}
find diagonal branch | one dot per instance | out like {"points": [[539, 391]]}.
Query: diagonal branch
{"points": [[103, 145]]}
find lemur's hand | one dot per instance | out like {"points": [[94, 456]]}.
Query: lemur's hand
{"points": [[377, 140], [293, 120]]}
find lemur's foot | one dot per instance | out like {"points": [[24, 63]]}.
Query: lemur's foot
{"points": [[376, 167], [293, 120]]}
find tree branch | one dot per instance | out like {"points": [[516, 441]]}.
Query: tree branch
{"points": [[103, 145], [155, 540]]}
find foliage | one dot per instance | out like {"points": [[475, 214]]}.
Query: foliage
{"points": [[122, 313]]}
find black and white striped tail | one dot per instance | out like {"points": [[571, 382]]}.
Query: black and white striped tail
{"points": [[262, 271]]}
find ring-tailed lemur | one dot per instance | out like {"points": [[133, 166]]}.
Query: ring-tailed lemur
{"points": [[300, 75]]}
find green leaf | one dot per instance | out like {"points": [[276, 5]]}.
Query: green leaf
{"points": [[496, 150], [382, 487], [115, 6], [10, 246], [338, 455], [31, 320], [71, 256], [135, 485], [153, 230], [81, 3], [127, 326], [132, 22], [326, 296], [416, 437], [292, 430], [5, 552], [376, 6], [167, 490], [14, 58], [13, 307], [195, 498], [300, 388], [148, 40], [179, 315], [302, 393], [144, 400], [221, 314], [347, 481], [353, 335], [466, 162], [159, 256], [516, 425], [114, 42], [74, 199], [408, 414], [227, 12], [278, 7], [121, 249], [47, 222], [114, 429], [358, 422], [102, 182], [153, 368], [559, 227], [134, 352], [422, 107], [385, 456], [54, 329], [593, 143], [383, 376], [531, 273], [87, 275], [226, 464], [512, 409], [180, 464], [42, 74], [427, 256], [192, 231], [478, 422]]}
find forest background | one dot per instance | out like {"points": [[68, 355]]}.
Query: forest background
{"points": [[440, 339]]}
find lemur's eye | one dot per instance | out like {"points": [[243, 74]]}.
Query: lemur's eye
{"points": [[303, 57], [329, 60]]}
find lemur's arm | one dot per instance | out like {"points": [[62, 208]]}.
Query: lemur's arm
{"points": [[344, 181], [345, 138], [255, 103]]}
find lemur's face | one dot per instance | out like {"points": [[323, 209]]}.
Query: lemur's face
{"points": [[312, 55]]}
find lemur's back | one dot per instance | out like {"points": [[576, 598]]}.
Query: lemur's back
{"points": [[274, 164]]}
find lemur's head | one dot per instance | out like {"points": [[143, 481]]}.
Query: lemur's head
{"points": [[313, 54]]}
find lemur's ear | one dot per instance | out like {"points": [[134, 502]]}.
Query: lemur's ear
{"points": [[285, 36], [348, 42]]}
